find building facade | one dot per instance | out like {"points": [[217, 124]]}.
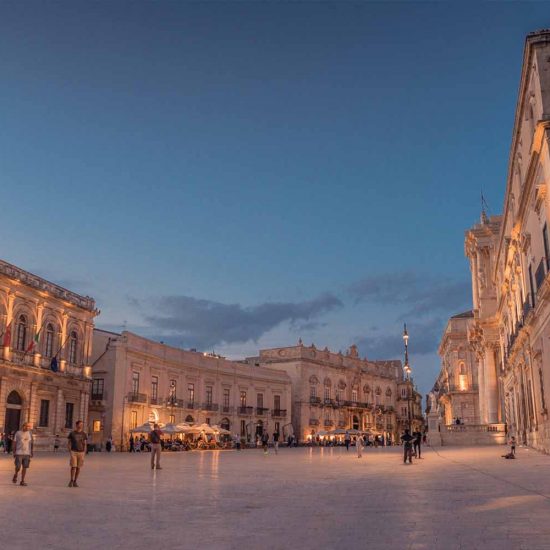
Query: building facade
{"points": [[136, 380], [510, 264], [333, 390], [45, 373], [456, 386]]}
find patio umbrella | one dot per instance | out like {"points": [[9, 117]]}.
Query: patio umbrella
{"points": [[339, 431], [173, 429], [221, 431], [146, 428], [207, 429]]}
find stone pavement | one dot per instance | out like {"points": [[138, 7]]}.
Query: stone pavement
{"points": [[303, 498]]}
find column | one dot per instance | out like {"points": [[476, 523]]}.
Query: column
{"points": [[39, 315], [58, 421], [62, 355], [491, 385], [9, 320], [481, 384]]}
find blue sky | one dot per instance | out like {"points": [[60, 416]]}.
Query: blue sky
{"points": [[234, 176]]}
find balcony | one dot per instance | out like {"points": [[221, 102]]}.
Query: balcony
{"points": [[328, 423], [261, 411], [278, 413], [245, 410], [137, 398], [98, 396], [328, 402], [342, 423], [173, 402], [227, 409], [192, 405], [155, 401], [315, 400], [209, 406], [313, 422]]}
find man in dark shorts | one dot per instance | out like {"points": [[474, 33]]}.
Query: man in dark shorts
{"points": [[22, 451], [407, 440], [417, 444], [156, 448], [76, 443]]}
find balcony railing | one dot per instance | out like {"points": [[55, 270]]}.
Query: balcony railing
{"points": [[208, 406], [315, 400], [155, 401], [191, 405], [341, 423], [329, 423], [261, 411], [278, 413], [313, 422], [245, 410], [227, 409], [329, 402], [137, 398], [173, 402], [98, 396]]}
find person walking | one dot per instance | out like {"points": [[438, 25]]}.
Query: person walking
{"points": [[513, 446], [22, 452], [76, 444], [156, 447], [276, 442], [417, 444], [56, 444], [359, 443], [265, 441], [407, 440], [109, 444], [347, 440], [132, 448]]}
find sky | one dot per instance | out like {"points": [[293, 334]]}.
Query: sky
{"points": [[235, 176]]}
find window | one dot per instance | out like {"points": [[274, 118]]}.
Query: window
{"points": [[50, 334], [277, 427], [133, 420], [313, 392], [338, 394], [354, 395], [172, 419], [96, 426], [403, 392], [260, 401], [546, 247], [327, 392], [277, 402], [44, 413], [21, 333], [154, 387], [97, 388], [243, 428], [209, 395], [135, 383], [69, 409], [531, 286], [243, 399], [191, 393], [226, 397], [73, 347], [403, 411], [208, 420]]}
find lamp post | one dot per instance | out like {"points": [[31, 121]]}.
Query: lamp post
{"points": [[407, 369]]}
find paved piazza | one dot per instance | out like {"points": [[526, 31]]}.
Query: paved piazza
{"points": [[302, 498]]}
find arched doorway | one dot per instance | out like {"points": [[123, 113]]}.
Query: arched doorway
{"points": [[189, 419], [225, 424], [355, 422], [14, 405], [259, 428]]}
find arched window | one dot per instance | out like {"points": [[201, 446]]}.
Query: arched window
{"points": [[189, 419], [50, 334], [225, 424], [21, 333], [14, 398], [73, 347]]}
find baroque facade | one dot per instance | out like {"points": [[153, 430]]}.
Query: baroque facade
{"points": [[332, 390], [45, 372], [456, 386], [136, 380], [510, 265]]}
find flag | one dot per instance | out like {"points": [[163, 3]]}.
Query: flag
{"points": [[53, 364], [7, 336], [33, 342]]}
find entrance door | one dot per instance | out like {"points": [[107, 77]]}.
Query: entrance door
{"points": [[355, 423], [13, 419]]}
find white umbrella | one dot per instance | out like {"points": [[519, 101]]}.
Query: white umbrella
{"points": [[207, 429], [221, 431], [339, 431], [173, 429], [146, 428]]}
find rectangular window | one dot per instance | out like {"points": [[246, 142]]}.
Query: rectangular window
{"points": [[154, 387], [209, 395], [191, 393], [313, 391], [546, 247], [243, 428], [44, 413], [133, 420], [277, 429], [260, 401], [354, 395], [69, 409], [208, 420], [97, 388], [531, 286], [96, 426], [226, 397], [172, 419], [243, 399], [135, 383], [277, 402], [327, 392]]}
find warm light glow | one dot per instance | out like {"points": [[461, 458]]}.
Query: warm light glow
{"points": [[462, 382]]}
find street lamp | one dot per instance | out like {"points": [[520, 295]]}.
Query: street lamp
{"points": [[407, 369]]}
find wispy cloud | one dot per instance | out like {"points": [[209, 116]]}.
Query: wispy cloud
{"points": [[418, 295], [205, 323]]}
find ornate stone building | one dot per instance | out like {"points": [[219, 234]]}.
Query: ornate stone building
{"points": [[456, 386], [510, 264], [45, 372], [136, 380], [333, 390]]}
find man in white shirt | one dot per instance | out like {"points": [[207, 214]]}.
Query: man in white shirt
{"points": [[22, 451]]}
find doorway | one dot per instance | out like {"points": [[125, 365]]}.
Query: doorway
{"points": [[13, 412]]}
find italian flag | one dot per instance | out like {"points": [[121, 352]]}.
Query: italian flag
{"points": [[34, 342]]}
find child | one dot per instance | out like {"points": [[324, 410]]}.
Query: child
{"points": [[513, 446]]}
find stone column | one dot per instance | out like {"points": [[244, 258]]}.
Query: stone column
{"points": [[481, 383], [58, 423], [491, 385]]}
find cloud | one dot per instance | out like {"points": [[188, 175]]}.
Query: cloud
{"points": [[205, 323], [424, 338], [419, 295]]}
